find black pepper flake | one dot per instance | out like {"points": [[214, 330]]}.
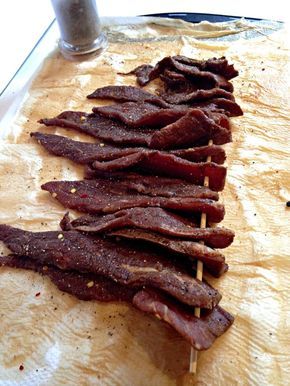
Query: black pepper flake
{"points": [[21, 367], [288, 204], [263, 69], [110, 333], [37, 294]]}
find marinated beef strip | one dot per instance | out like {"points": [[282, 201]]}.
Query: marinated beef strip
{"points": [[127, 94], [193, 128], [226, 106], [86, 153], [152, 185], [213, 260], [141, 114], [143, 73], [175, 82], [101, 128], [81, 152], [95, 287], [197, 96], [135, 94], [153, 219], [73, 250], [96, 196], [210, 73], [196, 127], [161, 163], [207, 328], [84, 286], [200, 154]]}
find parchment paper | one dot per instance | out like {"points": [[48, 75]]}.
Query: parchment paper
{"points": [[60, 340]]}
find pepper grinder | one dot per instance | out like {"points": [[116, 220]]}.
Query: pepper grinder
{"points": [[80, 27]]}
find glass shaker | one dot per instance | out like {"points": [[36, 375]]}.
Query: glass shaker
{"points": [[80, 27]]}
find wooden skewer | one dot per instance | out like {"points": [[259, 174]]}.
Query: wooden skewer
{"points": [[199, 273]]}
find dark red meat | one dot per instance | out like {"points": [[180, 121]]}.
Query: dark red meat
{"points": [[190, 251], [160, 163], [192, 129], [115, 260], [140, 114], [207, 328], [73, 282], [105, 196], [142, 73], [96, 287], [226, 106], [153, 219], [81, 152], [85, 152], [200, 154], [196, 126], [213, 260], [152, 185], [100, 127], [127, 94], [194, 69], [197, 96]]}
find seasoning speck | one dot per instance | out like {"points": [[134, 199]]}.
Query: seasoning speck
{"points": [[73, 190], [288, 204], [54, 195], [45, 268], [21, 367], [90, 284], [37, 294], [60, 236], [83, 118], [102, 144]]}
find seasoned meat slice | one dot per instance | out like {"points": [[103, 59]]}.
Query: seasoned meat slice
{"points": [[127, 94], [160, 163], [152, 219], [139, 114], [100, 127], [73, 250], [85, 152], [213, 260], [152, 185], [200, 334], [85, 286], [213, 71], [197, 96], [194, 127], [81, 152], [105, 196]]}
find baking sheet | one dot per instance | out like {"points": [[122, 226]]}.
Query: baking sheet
{"points": [[60, 340]]}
